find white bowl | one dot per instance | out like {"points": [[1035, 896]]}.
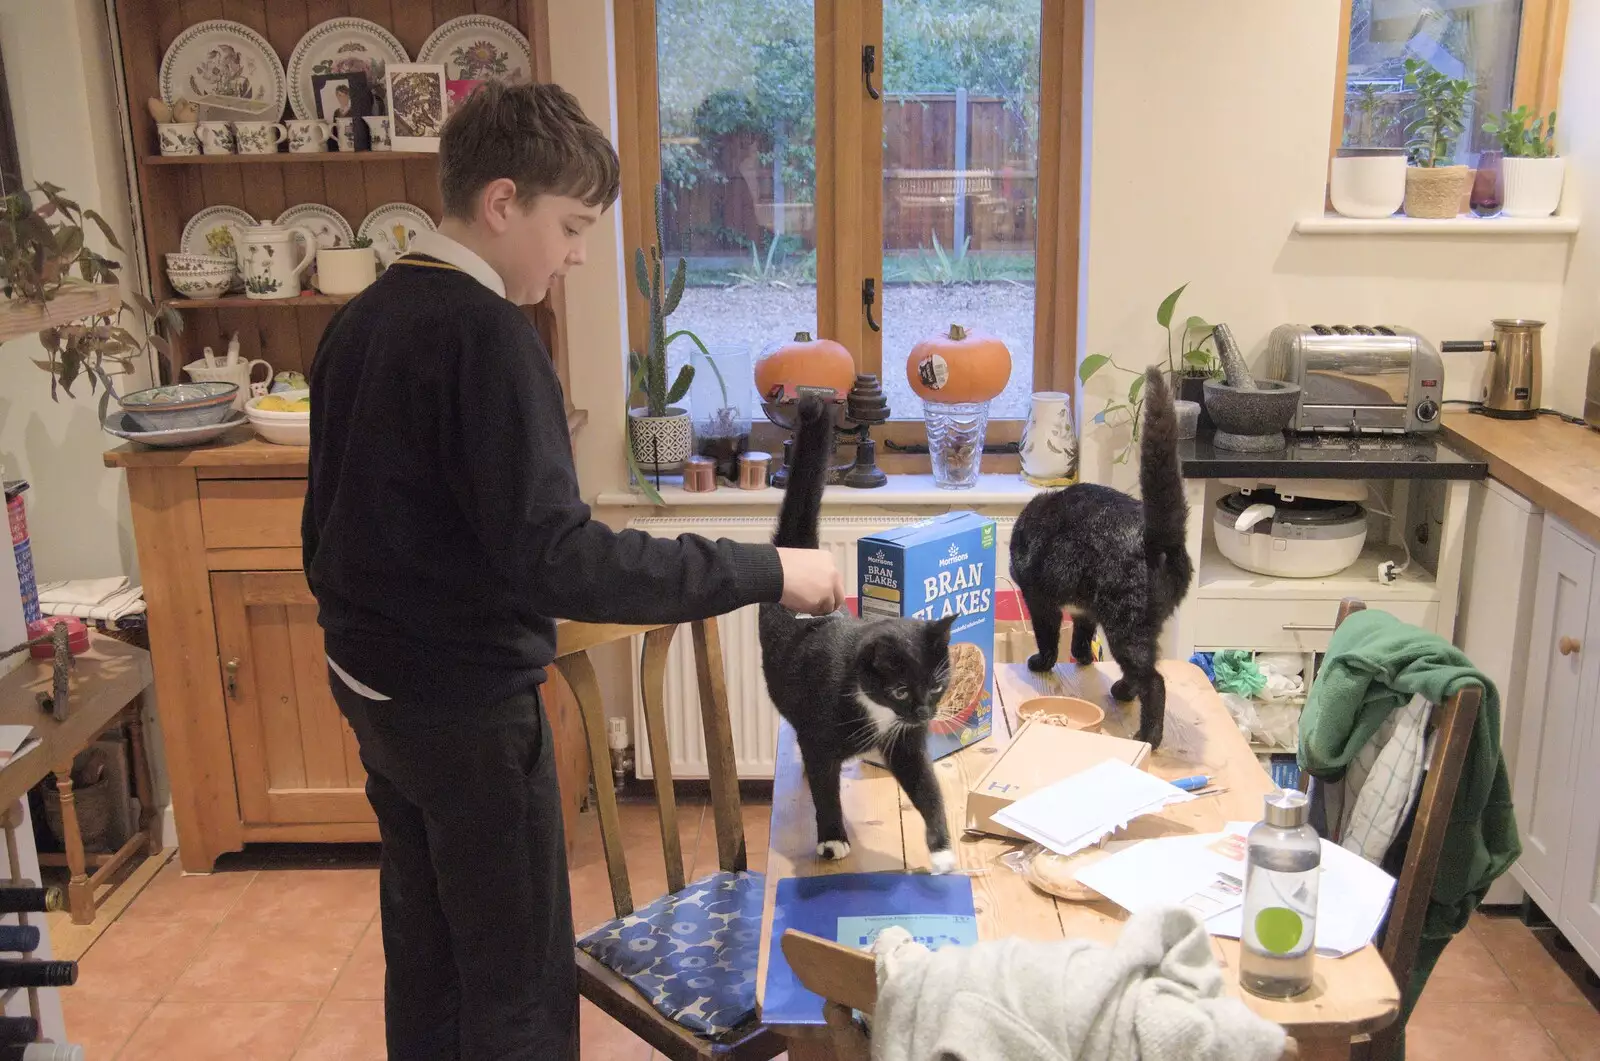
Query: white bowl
{"points": [[201, 284], [190, 263], [283, 429]]}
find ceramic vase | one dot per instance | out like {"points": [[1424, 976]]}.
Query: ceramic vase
{"points": [[1367, 184], [1049, 446], [1532, 186], [660, 443]]}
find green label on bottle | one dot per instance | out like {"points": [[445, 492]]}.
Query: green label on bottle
{"points": [[1279, 929]]}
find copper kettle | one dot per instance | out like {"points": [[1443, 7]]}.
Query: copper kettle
{"points": [[1512, 390]]}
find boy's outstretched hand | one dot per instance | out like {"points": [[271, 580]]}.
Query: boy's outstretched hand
{"points": [[811, 581]]}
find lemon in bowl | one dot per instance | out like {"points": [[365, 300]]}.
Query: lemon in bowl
{"points": [[283, 418]]}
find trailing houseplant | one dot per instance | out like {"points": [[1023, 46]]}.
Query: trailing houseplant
{"points": [[1368, 175], [1436, 187], [42, 244], [1532, 169], [659, 432]]}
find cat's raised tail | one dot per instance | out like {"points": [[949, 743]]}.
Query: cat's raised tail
{"points": [[1166, 512], [808, 474]]}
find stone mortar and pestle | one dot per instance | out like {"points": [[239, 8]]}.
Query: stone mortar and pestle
{"points": [[1250, 414]]}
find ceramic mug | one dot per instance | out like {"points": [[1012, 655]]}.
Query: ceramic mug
{"points": [[216, 138], [259, 138], [309, 135], [345, 270], [179, 138], [378, 129], [237, 373], [344, 134]]}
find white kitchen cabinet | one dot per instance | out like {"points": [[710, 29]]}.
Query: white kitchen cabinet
{"points": [[1579, 916], [1498, 580], [1559, 706]]}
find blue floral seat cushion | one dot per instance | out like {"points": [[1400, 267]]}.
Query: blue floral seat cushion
{"points": [[692, 953]]}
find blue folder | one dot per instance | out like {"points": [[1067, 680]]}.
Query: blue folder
{"points": [[851, 908]]}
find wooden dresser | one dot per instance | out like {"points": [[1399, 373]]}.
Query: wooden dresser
{"points": [[256, 749]]}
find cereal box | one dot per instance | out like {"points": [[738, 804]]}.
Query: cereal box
{"points": [[928, 570]]}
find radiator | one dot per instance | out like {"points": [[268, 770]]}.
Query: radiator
{"points": [[754, 719]]}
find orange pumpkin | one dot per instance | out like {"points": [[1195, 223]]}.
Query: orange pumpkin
{"points": [[805, 362], [959, 366]]}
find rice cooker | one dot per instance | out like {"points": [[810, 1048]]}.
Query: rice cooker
{"points": [[1289, 536]]}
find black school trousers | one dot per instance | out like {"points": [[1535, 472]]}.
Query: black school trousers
{"points": [[477, 917]]}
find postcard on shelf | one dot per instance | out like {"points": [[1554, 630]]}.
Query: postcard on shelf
{"points": [[418, 103]]}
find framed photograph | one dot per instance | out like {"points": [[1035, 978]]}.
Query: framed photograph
{"points": [[345, 95], [418, 103], [458, 91]]}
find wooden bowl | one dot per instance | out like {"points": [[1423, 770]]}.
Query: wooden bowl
{"points": [[1080, 714]]}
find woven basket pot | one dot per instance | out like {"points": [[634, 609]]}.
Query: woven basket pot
{"points": [[1436, 191]]}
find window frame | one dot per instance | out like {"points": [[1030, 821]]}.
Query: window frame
{"points": [[849, 196], [1536, 82]]}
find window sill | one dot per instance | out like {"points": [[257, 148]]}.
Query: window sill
{"points": [[992, 489], [1462, 225]]}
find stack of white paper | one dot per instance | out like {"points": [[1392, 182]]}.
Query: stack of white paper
{"points": [[1352, 898], [1204, 873], [1079, 810]]}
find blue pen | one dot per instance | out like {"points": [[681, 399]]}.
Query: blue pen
{"points": [[1189, 784]]}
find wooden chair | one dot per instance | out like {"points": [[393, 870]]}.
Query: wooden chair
{"points": [[847, 980], [1451, 725], [596, 982]]}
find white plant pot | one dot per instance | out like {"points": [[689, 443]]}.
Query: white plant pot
{"points": [[1532, 186], [1049, 448], [1370, 186], [660, 443], [345, 270]]}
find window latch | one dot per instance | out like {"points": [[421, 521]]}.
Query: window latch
{"points": [[869, 297], [869, 63]]}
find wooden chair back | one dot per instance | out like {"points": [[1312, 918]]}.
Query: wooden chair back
{"points": [[1451, 724], [599, 984]]}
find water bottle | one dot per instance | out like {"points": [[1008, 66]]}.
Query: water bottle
{"points": [[1283, 861]]}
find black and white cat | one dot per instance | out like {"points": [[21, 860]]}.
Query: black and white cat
{"points": [[1112, 561], [849, 685]]}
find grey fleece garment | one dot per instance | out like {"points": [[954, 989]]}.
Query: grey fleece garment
{"points": [[1156, 995]]}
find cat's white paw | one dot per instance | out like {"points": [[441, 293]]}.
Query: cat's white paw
{"points": [[942, 861], [833, 850]]}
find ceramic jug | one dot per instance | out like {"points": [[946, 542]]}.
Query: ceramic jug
{"points": [[270, 261], [1049, 447]]}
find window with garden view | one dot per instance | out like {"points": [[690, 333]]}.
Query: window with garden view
{"points": [[737, 106], [1461, 39]]}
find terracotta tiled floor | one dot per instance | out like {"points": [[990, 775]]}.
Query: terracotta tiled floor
{"points": [[262, 962], [257, 962]]}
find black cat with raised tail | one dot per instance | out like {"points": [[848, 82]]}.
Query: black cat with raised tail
{"points": [[847, 685], [1112, 561]]}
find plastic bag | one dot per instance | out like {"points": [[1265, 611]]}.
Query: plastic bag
{"points": [[1056, 874], [1244, 714]]}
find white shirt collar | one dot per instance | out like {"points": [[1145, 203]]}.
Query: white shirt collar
{"points": [[438, 245]]}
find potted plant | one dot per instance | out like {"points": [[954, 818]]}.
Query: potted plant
{"points": [[722, 417], [1368, 178], [1532, 170], [347, 270], [659, 432], [1435, 187], [41, 245]]}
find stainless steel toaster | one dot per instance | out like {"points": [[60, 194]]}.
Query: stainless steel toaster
{"points": [[1359, 379]]}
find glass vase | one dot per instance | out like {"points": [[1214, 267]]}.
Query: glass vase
{"points": [[1486, 198], [955, 442], [722, 401]]}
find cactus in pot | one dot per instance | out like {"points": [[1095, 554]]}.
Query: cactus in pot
{"points": [[659, 432]]}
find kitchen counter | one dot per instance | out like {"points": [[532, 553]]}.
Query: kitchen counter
{"points": [[1554, 464], [1333, 457]]}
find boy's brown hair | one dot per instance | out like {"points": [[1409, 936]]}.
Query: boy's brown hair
{"points": [[536, 135]]}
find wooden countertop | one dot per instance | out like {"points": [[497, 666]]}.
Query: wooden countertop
{"points": [[1554, 464], [240, 448]]}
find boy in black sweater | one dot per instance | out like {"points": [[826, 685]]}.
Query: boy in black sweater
{"points": [[443, 534]]}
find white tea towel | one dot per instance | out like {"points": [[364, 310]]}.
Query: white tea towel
{"points": [[82, 591], [84, 599], [1383, 781]]}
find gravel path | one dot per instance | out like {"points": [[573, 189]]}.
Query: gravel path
{"points": [[750, 318]]}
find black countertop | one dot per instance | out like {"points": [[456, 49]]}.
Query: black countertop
{"points": [[1333, 457]]}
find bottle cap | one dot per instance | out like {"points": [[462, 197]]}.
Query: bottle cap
{"points": [[1287, 808]]}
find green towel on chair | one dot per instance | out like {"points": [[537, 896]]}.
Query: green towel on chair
{"points": [[1376, 664]]}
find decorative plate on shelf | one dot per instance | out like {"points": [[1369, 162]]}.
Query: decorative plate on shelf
{"points": [[392, 227], [331, 229], [228, 69], [480, 48], [340, 46], [207, 233]]}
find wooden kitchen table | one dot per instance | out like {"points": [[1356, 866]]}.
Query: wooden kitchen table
{"points": [[1352, 995]]}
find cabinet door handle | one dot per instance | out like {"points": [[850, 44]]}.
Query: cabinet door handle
{"points": [[1569, 646], [232, 669], [1308, 626]]}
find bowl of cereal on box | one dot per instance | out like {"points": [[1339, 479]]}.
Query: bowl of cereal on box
{"points": [[283, 418], [963, 699]]}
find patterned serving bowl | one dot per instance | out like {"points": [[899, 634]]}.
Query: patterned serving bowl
{"points": [[200, 275], [180, 405]]}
